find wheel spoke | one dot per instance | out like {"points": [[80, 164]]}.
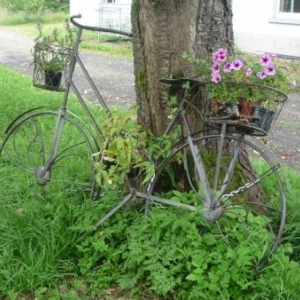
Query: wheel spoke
{"points": [[247, 193], [26, 149]]}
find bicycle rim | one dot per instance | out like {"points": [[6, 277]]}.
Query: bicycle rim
{"points": [[242, 183], [25, 151]]}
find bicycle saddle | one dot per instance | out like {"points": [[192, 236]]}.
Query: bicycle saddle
{"points": [[179, 81]]}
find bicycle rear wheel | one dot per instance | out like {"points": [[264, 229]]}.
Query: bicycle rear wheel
{"points": [[234, 185], [26, 149]]}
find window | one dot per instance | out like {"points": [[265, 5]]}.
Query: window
{"points": [[286, 12], [111, 1], [290, 6]]}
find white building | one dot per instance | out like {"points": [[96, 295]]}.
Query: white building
{"points": [[103, 13], [259, 25], [267, 26]]}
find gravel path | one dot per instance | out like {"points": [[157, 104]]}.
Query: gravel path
{"points": [[115, 80]]}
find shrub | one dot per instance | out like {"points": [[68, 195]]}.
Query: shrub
{"points": [[34, 5]]}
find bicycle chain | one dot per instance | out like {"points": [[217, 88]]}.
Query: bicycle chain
{"points": [[248, 185]]}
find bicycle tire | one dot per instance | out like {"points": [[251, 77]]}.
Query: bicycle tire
{"points": [[237, 208], [26, 147]]}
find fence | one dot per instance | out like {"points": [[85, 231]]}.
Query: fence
{"points": [[115, 16]]}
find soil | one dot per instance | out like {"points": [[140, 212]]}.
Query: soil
{"points": [[115, 80]]}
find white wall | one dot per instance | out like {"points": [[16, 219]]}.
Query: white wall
{"points": [[88, 10], [254, 32], [96, 13]]}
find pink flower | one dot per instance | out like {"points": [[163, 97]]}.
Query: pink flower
{"points": [[220, 55], [215, 67], [270, 70], [248, 72], [237, 64], [216, 77], [227, 67], [265, 60], [261, 75]]}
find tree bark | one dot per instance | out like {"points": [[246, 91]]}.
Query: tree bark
{"points": [[162, 31]]}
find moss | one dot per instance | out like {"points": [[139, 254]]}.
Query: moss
{"points": [[141, 81], [135, 7], [177, 74]]}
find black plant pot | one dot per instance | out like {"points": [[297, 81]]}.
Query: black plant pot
{"points": [[263, 117], [53, 79]]}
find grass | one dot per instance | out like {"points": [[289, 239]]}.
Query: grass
{"points": [[39, 256], [92, 41], [37, 241], [22, 18]]}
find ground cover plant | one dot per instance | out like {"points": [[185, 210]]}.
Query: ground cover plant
{"points": [[167, 255]]}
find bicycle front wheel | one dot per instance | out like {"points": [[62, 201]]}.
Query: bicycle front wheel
{"points": [[25, 152], [234, 185]]}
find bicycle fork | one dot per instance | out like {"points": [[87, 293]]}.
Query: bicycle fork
{"points": [[212, 208]]}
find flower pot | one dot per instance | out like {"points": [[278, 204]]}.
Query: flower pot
{"points": [[53, 79], [245, 108], [267, 120], [232, 110], [263, 117], [217, 109], [224, 110]]}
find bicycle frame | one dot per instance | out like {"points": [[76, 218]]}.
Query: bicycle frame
{"points": [[42, 174]]}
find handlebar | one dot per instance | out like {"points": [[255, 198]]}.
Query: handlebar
{"points": [[100, 29]]}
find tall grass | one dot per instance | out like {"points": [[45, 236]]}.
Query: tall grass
{"points": [[35, 237], [12, 19]]}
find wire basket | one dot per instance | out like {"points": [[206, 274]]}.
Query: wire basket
{"points": [[51, 66], [246, 108]]}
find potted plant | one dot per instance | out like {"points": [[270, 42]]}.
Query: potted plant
{"points": [[255, 82], [52, 55]]}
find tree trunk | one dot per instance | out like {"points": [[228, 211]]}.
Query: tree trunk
{"points": [[162, 31]]}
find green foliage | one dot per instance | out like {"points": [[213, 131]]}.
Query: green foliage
{"points": [[129, 150], [34, 5], [23, 5], [179, 256], [52, 52], [168, 253], [292, 228]]}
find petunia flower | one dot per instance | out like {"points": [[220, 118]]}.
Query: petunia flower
{"points": [[237, 64], [248, 72], [220, 55], [265, 60], [215, 67], [261, 75], [270, 70], [216, 77], [227, 67]]}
